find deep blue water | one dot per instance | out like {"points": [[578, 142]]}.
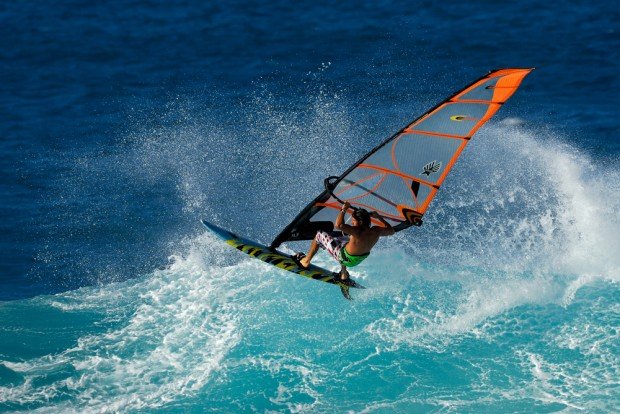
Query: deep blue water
{"points": [[124, 123]]}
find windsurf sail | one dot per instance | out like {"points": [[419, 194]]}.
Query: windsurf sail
{"points": [[400, 177]]}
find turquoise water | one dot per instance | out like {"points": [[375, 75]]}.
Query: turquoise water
{"points": [[202, 337]]}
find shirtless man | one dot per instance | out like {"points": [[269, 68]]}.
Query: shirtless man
{"points": [[349, 250]]}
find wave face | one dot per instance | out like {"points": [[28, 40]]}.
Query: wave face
{"points": [[505, 300]]}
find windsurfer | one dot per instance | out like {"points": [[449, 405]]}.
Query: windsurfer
{"points": [[352, 249]]}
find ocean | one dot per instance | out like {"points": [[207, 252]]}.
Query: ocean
{"points": [[125, 123]]}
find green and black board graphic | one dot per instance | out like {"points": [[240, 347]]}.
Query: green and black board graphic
{"points": [[280, 260]]}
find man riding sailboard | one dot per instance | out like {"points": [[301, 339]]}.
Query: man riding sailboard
{"points": [[352, 249]]}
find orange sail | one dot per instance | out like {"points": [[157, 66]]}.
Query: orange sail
{"points": [[400, 177]]}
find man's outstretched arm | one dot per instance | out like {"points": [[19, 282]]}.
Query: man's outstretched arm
{"points": [[339, 224]]}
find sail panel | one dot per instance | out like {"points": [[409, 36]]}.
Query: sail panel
{"points": [[413, 153], [482, 92], [454, 119]]}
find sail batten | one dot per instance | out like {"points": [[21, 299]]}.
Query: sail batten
{"points": [[400, 177]]}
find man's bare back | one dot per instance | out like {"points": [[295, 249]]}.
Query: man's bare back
{"points": [[363, 239]]}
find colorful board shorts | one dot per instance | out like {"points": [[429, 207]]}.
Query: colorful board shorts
{"points": [[335, 247]]}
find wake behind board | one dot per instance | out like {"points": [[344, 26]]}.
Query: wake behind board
{"points": [[280, 260]]}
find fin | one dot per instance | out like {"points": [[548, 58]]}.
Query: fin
{"points": [[354, 284], [345, 292], [346, 284]]}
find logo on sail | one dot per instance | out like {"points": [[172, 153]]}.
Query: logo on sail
{"points": [[459, 118], [431, 167]]}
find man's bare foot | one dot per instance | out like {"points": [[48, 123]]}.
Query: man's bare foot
{"points": [[301, 260], [344, 274]]}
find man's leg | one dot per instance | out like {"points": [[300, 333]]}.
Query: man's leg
{"points": [[344, 273], [314, 247]]}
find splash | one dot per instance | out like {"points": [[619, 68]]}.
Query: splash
{"points": [[526, 220], [153, 341]]}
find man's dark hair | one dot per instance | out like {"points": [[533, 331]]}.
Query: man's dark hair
{"points": [[362, 216]]}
